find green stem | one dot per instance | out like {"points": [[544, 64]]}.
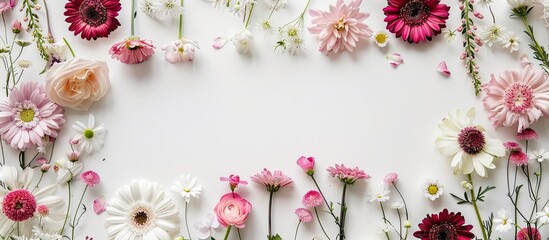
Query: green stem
{"points": [[133, 18], [249, 16], [22, 160], [272, 11], [270, 212], [73, 225], [326, 201], [320, 223], [403, 200], [69, 46], [342, 213], [227, 232], [384, 219], [48, 25], [297, 229], [68, 210], [180, 33], [187, 221], [238, 231], [477, 212], [538, 49]]}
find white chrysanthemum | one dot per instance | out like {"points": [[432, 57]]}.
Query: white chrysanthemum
{"points": [[492, 34], [468, 145], [148, 7], [89, 137], [539, 155], [504, 222], [141, 211], [188, 187], [379, 192], [543, 216], [22, 207], [510, 41], [432, 189]]}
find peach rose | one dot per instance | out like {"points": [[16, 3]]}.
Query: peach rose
{"points": [[77, 83]]}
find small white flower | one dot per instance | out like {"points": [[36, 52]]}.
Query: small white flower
{"points": [[518, 3], [432, 189], [543, 216], [491, 34], [205, 226], [504, 222], [467, 185], [449, 34], [539, 155], [381, 38], [242, 41], [89, 137], [265, 25], [24, 64], [169, 8], [384, 227], [510, 41], [379, 192], [148, 7], [238, 8], [397, 205], [188, 187]]}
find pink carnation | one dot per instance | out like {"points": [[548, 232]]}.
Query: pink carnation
{"points": [[517, 97], [90, 178], [232, 210], [390, 178], [272, 181], [132, 50], [340, 28], [304, 215], [312, 199], [347, 175]]}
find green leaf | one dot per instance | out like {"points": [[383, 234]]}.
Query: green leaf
{"points": [[275, 237]]}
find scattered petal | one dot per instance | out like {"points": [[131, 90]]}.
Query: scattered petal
{"points": [[219, 42], [443, 69], [395, 59], [99, 205]]}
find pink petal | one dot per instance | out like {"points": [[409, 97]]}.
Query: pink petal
{"points": [[442, 68], [219, 42], [525, 61], [395, 59], [99, 205]]}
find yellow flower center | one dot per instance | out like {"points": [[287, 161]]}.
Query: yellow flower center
{"points": [[504, 221], [292, 32], [433, 189], [381, 38], [186, 190], [88, 133], [27, 115], [340, 24]]}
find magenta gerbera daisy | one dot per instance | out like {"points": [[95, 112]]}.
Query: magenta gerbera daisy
{"points": [[444, 225], [416, 20], [27, 116], [92, 18]]}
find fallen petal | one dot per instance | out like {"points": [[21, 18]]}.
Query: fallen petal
{"points": [[395, 59], [525, 61], [442, 68], [219, 42], [99, 205]]}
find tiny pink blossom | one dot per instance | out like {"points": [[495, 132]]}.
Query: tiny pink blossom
{"points": [[99, 205], [527, 134], [73, 156], [312, 199], [16, 26], [90, 178], [347, 175], [42, 210], [132, 50], [518, 158], [234, 181], [443, 69], [390, 178], [73, 141], [272, 181], [307, 164], [512, 146], [45, 167], [304, 215], [395, 59]]}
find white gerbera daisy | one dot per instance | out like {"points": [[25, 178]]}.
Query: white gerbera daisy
{"points": [[141, 211], [432, 189], [468, 145], [379, 192], [89, 137], [22, 207], [188, 187], [504, 222]]}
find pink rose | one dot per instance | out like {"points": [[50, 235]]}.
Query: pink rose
{"points": [[307, 164], [232, 210], [77, 83]]}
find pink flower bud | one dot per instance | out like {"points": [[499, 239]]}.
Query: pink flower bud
{"points": [[474, 27], [459, 29], [234, 181], [37, 7], [46, 167], [73, 141], [25, 19], [390, 178], [16, 26], [41, 161], [73, 156], [307, 164], [462, 56]]}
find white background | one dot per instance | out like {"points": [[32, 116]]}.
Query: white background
{"points": [[227, 113]]}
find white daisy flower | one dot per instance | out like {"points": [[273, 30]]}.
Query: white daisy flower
{"points": [[205, 226], [149, 8], [543, 216], [188, 187], [539, 155], [141, 210], [168, 8], [492, 34], [379, 192], [89, 137], [381, 38], [432, 189], [468, 145], [504, 222], [510, 41]]}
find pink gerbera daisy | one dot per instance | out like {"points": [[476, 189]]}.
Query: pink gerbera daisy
{"points": [[132, 50], [340, 28], [519, 96], [272, 181], [27, 116], [416, 20], [93, 18]]}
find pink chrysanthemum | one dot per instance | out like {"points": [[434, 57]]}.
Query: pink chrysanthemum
{"points": [[132, 50], [512, 146], [347, 175], [304, 215], [518, 158], [27, 116], [340, 28], [273, 181], [529, 234], [312, 199], [19, 205], [519, 96], [90, 178], [416, 20], [390, 178], [527, 134], [93, 18]]}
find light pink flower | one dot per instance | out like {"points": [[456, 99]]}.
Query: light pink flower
{"points": [[180, 50], [347, 175], [90, 178], [307, 164], [518, 158], [132, 50], [312, 199], [340, 28], [16, 26], [443, 69], [390, 178], [527, 134], [6, 6], [232, 210], [272, 181], [519, 96], [99, 205], [27, 116], [395, 59], [234, 181], [304, 215]]}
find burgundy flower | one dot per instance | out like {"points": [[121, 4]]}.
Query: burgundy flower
{"points": [[444, 225], [416, 20], [92, 18]]}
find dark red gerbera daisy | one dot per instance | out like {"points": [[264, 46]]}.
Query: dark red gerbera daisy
{"points": [[444, 225], [92, 18], [416, 20]]}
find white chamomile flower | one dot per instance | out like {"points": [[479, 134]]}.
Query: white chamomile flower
{"points": [[432, 189], [510, 41], [492, 34], [449, 34], [381, 38], [187, 187], [265, 25], [89, 137], [539, 155], [504, 222], [543, 216], [379, 192]]}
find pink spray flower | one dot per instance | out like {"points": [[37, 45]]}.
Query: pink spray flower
{"points": [[16, 26], [234, 181], [272, 181], [390, 178], [90, 178], [347, 175], [232, 210], [307, 164], [527, 134], [132, 50], [312, 198], [304, 215]]}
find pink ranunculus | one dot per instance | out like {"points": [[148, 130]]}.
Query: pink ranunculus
{"points": [[232, 210], [234, 181], [77, 83], [307, 164]]}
